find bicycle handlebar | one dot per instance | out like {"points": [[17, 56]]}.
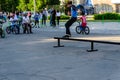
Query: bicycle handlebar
{"points": [[78, 21]]}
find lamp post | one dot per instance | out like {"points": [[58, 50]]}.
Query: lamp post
{"points": [[47, 4], [34, 6]]}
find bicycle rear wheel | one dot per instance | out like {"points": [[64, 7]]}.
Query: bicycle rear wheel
{"points": [[15, 30]]}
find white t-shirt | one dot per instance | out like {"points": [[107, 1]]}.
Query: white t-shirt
{"points": [[11, 21], [26, 20], [15, 17], [58, 14]]}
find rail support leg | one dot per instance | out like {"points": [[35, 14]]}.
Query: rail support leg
{"points": [[92, 48], [58, 44]]}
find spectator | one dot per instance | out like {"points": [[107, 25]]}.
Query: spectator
{"points": [[58, 14], [13, 24], [36, 17], [40, 17], [44, 16], [53, 17], [26, 23], [50, 12]]}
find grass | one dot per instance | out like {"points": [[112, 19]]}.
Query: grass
{"points": [[103, 20], [89, 20]]}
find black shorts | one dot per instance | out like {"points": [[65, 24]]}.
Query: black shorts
{"points": [[36, 21]]}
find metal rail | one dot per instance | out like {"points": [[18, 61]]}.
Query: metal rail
{"points": [[84, 40]]}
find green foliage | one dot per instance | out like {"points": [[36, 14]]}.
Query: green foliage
{"points": [[107, 16], [22, 5], [62, 17], [8, 5], [25, 5], [29, 5], [53, 2]]}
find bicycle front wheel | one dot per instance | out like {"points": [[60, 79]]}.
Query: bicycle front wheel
{"points": [[8, 30], [78, 30], [87, 30], [2, 34]]}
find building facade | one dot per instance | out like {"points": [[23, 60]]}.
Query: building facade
{"points": [[100, 6], [117, 5]]}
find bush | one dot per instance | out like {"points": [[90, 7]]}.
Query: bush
{"points": [[107, 16], [63, 17]]}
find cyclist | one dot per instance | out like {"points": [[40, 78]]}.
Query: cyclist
{"points": [[73, 18], [13, 21], [83, 21]]}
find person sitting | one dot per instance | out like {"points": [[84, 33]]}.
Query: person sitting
{"points": [[13, 24]]}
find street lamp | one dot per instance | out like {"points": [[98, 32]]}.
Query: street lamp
{"points": [[34, 6]]}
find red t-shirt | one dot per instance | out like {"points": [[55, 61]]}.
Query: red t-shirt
{"points": [[84, 22]]}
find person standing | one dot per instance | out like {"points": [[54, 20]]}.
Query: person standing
{"points": [[26, 22], [44, 16], [53, 18], [58, 14], [50, 12], [36, 18], [40, 18]]}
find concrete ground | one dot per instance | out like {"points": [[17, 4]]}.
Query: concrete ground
{"points": [[33, 57]]}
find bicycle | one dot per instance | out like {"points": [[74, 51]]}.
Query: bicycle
{"points": [[35, 24], [2, 33], [13, 28], [84, 30]]}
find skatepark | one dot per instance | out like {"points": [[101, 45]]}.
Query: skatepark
{"points": [[33, 57]]}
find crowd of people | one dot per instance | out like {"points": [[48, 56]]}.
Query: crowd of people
{"points": [[25, 19], [37, 17]]}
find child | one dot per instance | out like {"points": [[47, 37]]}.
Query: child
{"points": [[83, 21], [13, 21]]}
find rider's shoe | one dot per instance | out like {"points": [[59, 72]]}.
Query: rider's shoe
{"points": [[67, 36]]}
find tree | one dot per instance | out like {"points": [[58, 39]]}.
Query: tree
{"points": [[53, 2], [8, 5], [39, 4], [23, 5], [2, 4]]}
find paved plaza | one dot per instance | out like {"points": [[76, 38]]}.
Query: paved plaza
{"points": [[33, 57]]}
